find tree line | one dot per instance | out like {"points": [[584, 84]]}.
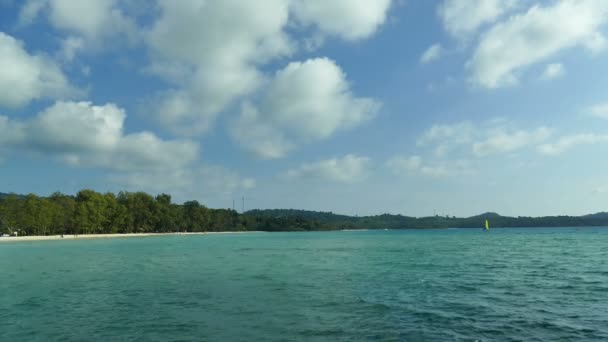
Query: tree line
{"points": [[91, 212]]}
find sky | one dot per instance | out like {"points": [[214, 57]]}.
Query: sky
{"points": [[360, 107]]}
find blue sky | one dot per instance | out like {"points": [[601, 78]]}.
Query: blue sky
{"points": [[360, 107]]}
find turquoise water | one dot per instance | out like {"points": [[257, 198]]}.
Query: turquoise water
{"points": [[440, 285]]}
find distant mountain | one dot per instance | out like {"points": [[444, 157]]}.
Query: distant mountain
{"points": [[488, 215], [4, 195], [305, 214], [601, 215], [329, 220]]}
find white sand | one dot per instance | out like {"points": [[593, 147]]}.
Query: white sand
{"points": [[101, 236]]}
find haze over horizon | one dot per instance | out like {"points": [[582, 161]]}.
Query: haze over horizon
{"points": [[355, 107]]}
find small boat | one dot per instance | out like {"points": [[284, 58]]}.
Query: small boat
{"points": [[487, 229]]}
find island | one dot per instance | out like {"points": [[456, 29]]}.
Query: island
{"points": [[91, 212]]}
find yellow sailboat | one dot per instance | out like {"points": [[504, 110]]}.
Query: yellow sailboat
{"points": [[487, 226]]}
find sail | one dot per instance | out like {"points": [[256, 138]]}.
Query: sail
{"points": [[487, 225]]}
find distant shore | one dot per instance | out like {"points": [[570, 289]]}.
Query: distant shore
{"points": [[104, 236]]}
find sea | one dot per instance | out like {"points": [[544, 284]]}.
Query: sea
{"points": [[540, 284]]}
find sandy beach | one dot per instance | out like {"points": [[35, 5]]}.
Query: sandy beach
{"points": [[102, 236]]}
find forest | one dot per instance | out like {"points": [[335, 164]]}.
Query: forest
{"points": [[91, 212]]}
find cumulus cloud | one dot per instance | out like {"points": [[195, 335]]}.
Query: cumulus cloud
{"points": [[533, 36], [463, 17], [553, 71], [86, 135], [505, 142], [431, 54], [401, 165], [92, 19], [11, 132], [210, 73], [76, 127], [347, 19], [492, 137], [569, 142], [304, 102], [90, 23], [25, 77], [348, 169]]}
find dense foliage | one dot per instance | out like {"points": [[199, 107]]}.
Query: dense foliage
{"points": [[90, 212]]}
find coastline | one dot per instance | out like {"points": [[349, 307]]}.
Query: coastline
{"points": [[107, 236]]}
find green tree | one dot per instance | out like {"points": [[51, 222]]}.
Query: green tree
{"points": [[90, 213], [63, 214], [196, 217]]}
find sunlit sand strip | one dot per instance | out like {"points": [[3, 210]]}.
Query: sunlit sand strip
{"points": [[102, 236]]}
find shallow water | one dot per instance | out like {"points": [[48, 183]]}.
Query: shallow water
{"points": [[434, 285]]}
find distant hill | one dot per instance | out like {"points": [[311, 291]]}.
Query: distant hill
{"points": [[602, 215], [329, 220], [4, 195]]}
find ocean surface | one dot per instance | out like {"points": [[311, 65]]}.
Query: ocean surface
{"points": [[432, 285]]}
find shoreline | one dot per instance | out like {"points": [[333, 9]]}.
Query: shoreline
{"points": [[106, 236]]}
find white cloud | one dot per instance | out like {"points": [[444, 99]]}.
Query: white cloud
{"points": [[183, 113], [533, 36], [495, 136], [447, 137], [212, 59], [91, 25], [463, 17], [25, 77], [86, 135], [506, 142], [304, 102], [260, 137], [348, 169], [596, 43], [30, 11], [210, 182], [431, 54], [553, 71], [91, 18], [571, 141], [76, 127], [401, 165], [214, 62], [347, 19], [599, 110], [458, 133], [11, 132], [146, 151], [70, 46]]}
